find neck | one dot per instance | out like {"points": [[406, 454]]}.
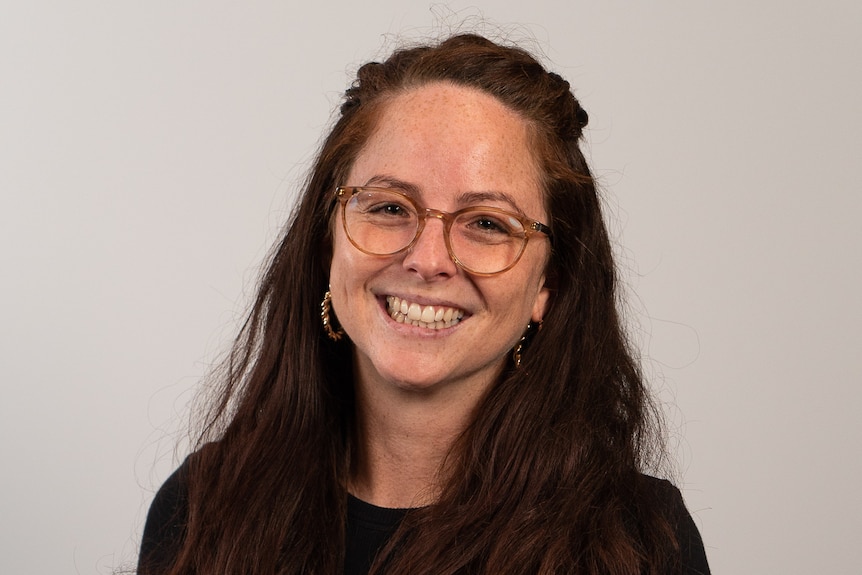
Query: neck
{"points": [[403, 438]]}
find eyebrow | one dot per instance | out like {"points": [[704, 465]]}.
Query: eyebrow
{"points": [[464, 199], [472, 198], [411, 190]]}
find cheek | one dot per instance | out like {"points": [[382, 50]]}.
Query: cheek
{"points": [[342, 268], [343, 253], [516, 296], [350, 268], [335, 255]]}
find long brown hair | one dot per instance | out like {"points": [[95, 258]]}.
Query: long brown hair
{"points": [[545, 479]]}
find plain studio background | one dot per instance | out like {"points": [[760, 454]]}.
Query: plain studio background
{"points": [[150, 152]]}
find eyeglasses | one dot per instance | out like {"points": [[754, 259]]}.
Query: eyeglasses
{"points": [[481, 240]]}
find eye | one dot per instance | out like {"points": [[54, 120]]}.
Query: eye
{"points": [[387, 209], [390, 209], [382, 208], [491, 223], [488, 227]]}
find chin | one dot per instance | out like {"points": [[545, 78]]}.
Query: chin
{"points": [[412, 380], [425, 379]]}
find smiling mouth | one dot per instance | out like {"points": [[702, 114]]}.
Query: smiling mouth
{"points": [[427, 316]]}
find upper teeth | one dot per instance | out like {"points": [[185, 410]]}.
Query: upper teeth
{"points": [[427, 316]]}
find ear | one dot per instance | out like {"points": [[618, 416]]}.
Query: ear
{"points": [[543, 300]]}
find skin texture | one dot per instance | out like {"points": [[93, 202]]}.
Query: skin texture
{"points": [[451, 147]]}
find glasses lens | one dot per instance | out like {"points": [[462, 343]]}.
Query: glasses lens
{"points": [[380, 222], [486, 241], [482, 240]]}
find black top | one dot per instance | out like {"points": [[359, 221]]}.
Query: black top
{"points": [[369, 528]]}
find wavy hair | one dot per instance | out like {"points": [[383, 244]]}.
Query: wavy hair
{"points": [[544, 480]]}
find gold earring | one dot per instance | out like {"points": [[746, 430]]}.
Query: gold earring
{"points": [[532, 329], [325, 306]]}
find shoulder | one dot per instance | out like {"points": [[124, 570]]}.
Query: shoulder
{"points": [[164, 529], [669, 498]]}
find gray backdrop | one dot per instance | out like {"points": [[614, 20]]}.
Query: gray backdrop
{"points": [[150, 151]]}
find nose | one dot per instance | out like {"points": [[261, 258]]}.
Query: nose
{"points": [[429, 256]]}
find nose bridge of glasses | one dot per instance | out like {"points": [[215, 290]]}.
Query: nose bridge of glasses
{"points": [[422, 235], [430, 213], [444, 217]]}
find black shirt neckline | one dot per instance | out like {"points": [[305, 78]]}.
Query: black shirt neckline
{"points": [[369, 528]]}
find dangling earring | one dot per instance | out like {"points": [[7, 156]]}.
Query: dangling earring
{"points": [[325, 306], [532, 329]]}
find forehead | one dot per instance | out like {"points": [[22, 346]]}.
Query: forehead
{"points": [[452, 140]]}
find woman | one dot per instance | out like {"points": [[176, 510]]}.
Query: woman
{"points": [[463, 399]]}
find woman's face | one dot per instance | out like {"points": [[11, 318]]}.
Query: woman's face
{"points": [[449, 147]]}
